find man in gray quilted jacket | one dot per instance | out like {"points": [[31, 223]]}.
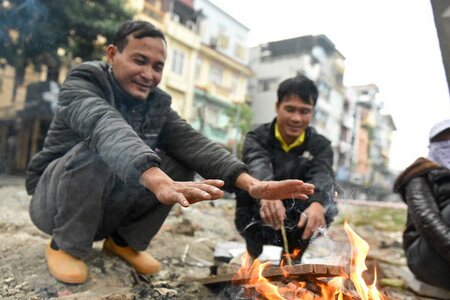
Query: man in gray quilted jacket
{"points": [[117, 158]]}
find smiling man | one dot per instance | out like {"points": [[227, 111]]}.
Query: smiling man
{"points": [[117, 157], [288, 148]]}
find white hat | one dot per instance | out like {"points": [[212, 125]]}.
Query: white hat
{"points": [[439, 127]]}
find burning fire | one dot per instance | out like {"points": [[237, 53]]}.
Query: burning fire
{"points": [[360, 249], [333, 289]]}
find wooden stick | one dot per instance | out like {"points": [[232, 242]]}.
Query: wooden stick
{"points": [[285, 244], [295, 272]]}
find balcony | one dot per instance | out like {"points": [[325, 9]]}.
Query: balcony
{"points": [[181, 33], [153, 11]]}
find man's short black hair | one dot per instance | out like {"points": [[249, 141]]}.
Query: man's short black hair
{"points": [[139, 29], [299, 85]]}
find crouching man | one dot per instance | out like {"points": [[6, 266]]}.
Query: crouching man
{"points": [[288, 148], [117, 157]]}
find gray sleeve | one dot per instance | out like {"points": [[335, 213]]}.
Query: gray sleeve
{"points": [[320, 173], [198, 153]]}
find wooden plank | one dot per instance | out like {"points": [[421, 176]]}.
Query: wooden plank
{"points": [[296, 272]]}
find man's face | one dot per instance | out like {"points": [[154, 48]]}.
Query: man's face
{"points": [[293, 117], [138, 68]]}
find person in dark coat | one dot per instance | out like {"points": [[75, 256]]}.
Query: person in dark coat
{"points": [[425, 188], [288, 148], [117, 157]]}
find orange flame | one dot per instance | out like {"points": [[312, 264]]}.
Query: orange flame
{"points": [[360, 249], [251, 272]]}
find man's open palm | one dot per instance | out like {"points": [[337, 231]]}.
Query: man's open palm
{"points": [[189, 192], [285, 189]]}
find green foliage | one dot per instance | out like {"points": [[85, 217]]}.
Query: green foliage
{"points": [[241, 117], [31, 31]]}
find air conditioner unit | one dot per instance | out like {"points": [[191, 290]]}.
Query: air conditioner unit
{"points": [[213, 41], [176, 18], [191, 25]]}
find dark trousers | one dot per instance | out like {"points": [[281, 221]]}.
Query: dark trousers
{"points": [[79, 200], [426, 263], [257, 233]]}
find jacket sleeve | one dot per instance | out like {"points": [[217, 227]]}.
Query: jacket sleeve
{"points": [[426, 216], [198, 153], [257, 157], [82, 105], [320, 173]]}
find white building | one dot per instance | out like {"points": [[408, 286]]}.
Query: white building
{"points": [[221, 31], [221, 74]]}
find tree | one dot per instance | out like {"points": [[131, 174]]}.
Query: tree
{"points": [[32, 31], [240, 116]]}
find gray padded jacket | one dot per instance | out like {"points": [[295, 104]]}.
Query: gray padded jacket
{"points": [[88, 112]]}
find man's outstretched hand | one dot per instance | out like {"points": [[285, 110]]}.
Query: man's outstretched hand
{"points": [[183, 192], [189, 192], [285, 189]]}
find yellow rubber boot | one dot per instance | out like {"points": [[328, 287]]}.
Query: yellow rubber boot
{"points": [[141, 261], [65, 267]]}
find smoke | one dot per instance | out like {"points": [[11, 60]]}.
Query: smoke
{"points": [[20, 16], [325, 250], [347, 193]]}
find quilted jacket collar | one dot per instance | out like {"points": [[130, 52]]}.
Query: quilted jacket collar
{"points": [[420, 167]]}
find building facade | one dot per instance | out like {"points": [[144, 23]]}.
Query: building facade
{"points": [[365, 119], [221, 75], [371, 144]]}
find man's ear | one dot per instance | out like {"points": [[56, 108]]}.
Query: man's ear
{"points": [[277, 106], [111, 51]]}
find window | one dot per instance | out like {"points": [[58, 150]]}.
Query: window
{"points": [[321, 118], [178, 61], [216, 74], [239, 51], [198, 68], [211, 115], [268, 84], [324, 90], [224, 40], [235, 84]]}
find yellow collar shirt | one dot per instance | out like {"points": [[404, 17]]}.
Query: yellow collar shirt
{"points": [[300, 139]]}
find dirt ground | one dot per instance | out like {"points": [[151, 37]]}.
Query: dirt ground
{"points": [[185, 247]]}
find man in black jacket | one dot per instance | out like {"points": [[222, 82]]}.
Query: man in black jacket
{"points": [[117, 157], [425, 188], [288, 148]]}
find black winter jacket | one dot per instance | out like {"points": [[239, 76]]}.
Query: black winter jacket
{"points": [[425, 187], [311, 162], [93, 109]]}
